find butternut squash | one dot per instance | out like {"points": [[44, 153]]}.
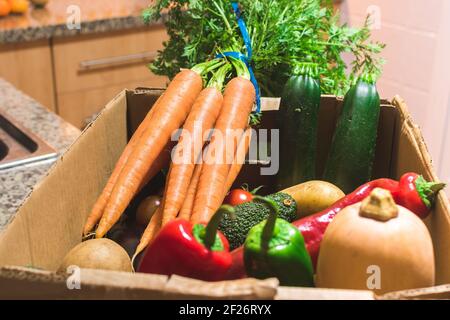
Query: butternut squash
{"points": [[376, 245]]}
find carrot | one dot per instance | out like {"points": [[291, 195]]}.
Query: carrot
{"points": [[100, 204], [161, 162], [173, 108], [149, 232], [153, 226], [188, 204], [239, 160], [186, 209], [201, 119], [238, 100]]}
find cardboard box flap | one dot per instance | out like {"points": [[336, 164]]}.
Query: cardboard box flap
{"points": [[26, 283], [186, 288], [439, 292], [46, 228], [411, 142], [292, 293]]}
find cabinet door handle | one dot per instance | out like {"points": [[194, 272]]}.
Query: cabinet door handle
{"points": [[117, 61]]}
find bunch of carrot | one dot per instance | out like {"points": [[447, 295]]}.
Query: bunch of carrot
{"points": [[194, 189]]}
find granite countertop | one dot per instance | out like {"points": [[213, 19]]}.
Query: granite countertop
{"points": [[16, 183], [51, 21]]}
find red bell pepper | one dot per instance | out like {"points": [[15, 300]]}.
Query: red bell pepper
{"points": [[416, 194], [192, 251], [237, 270]]}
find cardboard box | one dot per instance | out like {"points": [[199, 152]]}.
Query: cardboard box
{"points": [[50, 221]]}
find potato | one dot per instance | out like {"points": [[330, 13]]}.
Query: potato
{"points": [[102, 254], [314, 196]]}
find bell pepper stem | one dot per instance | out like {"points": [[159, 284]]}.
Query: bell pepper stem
{"points": [[271, 220], [436, 187], [428, 190], [213, 225]]}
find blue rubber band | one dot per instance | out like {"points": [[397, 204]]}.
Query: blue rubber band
{"points": [[243, 28], [245, 58], [240, 56]]}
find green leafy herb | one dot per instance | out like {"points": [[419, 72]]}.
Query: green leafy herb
{"points": [[284, 33]]}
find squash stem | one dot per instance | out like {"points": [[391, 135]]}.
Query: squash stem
{"points": [[379, 205]]}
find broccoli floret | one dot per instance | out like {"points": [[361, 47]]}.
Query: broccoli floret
{"points": [[250, 214]]}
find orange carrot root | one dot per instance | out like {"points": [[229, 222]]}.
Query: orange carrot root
{"points": [[188, 204], [173, 108], [239, 160], [150, 232], [201, 119], [100, 204], [237, 104]]}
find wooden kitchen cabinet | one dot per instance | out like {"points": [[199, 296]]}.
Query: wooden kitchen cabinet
{"points": [[28, 66], [90, 70], [79, 107]]}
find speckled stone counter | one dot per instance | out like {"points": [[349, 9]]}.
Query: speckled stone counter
{"points": [[95, 16], [16, 183]]}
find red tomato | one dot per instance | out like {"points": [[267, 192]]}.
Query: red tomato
{"points": [[238, 196]]}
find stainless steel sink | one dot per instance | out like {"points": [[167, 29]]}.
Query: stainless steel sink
{"points": [[18, 146]]}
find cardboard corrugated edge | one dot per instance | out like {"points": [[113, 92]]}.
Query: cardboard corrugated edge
{"points": [[292, 293], [433, 293], [250, 289], [26, 283]]}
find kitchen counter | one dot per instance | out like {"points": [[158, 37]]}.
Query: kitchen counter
{"points": [[51, 21], [16, 183]]}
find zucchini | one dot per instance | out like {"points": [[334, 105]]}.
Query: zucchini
{"points": [[352, 152], [249, 214], [298, 120]]}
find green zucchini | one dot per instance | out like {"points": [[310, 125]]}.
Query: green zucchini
{"points": [[352, 152], [298, 120], [249, 214]]}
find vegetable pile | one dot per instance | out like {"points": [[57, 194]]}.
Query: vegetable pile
{"points": [[190, 227]]}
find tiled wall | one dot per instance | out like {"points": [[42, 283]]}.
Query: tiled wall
{"points": [[417, 34]]}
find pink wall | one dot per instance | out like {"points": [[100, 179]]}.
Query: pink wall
{"points": [[417, 34]]}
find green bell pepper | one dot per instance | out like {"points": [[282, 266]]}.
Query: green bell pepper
{"points": [[275, 248]]}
